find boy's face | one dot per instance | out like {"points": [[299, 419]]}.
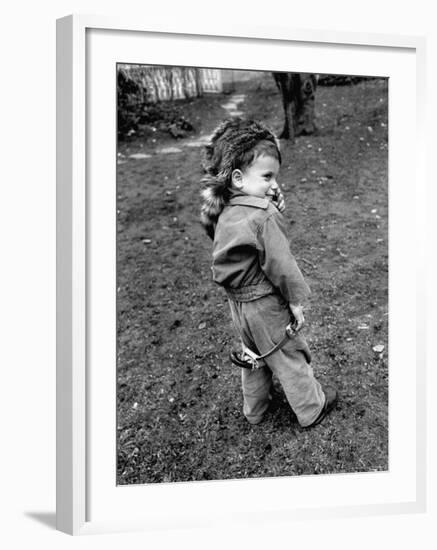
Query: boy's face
{"points": [[259, 178]]}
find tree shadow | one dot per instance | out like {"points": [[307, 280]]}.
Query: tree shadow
{"points": [[46, 518]]}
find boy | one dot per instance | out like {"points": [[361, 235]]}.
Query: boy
{"points": [[251, 259]]}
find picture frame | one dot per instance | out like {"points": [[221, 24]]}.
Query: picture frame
{"points": [[83, 470]]}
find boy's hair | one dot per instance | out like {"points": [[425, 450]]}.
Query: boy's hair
{"points": [[235, 144]]}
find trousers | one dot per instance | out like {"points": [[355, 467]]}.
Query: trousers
{"points": [[260, 324]]}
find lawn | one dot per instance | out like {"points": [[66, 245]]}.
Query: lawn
{"points": [[179, 403]]}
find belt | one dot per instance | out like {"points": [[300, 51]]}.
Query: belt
{"points": [[247, 359], [250, 292]]}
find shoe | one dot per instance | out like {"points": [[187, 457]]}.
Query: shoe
{"points": [[331, 396], [255, 422]]}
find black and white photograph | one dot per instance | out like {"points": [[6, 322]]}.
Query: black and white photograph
{"points": [[252, 274]]}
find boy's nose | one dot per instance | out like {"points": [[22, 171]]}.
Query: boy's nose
{"points": [[273, 191]]}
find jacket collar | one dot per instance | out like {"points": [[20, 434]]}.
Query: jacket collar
{"points": [[248, 200]]}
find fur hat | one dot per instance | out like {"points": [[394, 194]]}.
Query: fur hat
{"points": [[226, 151]]}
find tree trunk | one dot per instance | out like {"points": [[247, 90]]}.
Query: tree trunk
{"points": [[298, 99]]}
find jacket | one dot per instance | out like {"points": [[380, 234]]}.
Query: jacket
{"points": [[251, 252]]}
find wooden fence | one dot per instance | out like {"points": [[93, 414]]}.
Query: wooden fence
{"points": [[159, 83]]}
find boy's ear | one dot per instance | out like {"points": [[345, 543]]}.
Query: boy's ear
{"points": [[237, 178]]}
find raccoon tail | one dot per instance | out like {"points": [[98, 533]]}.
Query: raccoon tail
{"points": [[214, 196]]}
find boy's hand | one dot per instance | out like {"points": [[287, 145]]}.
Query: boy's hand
{"points": [[280, 203], [278, 199], [297, 311]]}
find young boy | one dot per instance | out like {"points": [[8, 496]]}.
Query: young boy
{"points": [[251, 259]]}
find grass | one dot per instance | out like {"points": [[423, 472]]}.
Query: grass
{"points": [[178, 397]]}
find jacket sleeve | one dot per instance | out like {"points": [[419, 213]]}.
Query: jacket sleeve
{"points": [[278, 263]]}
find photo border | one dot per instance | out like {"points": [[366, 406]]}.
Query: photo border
{"points": [[72, 304]]}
